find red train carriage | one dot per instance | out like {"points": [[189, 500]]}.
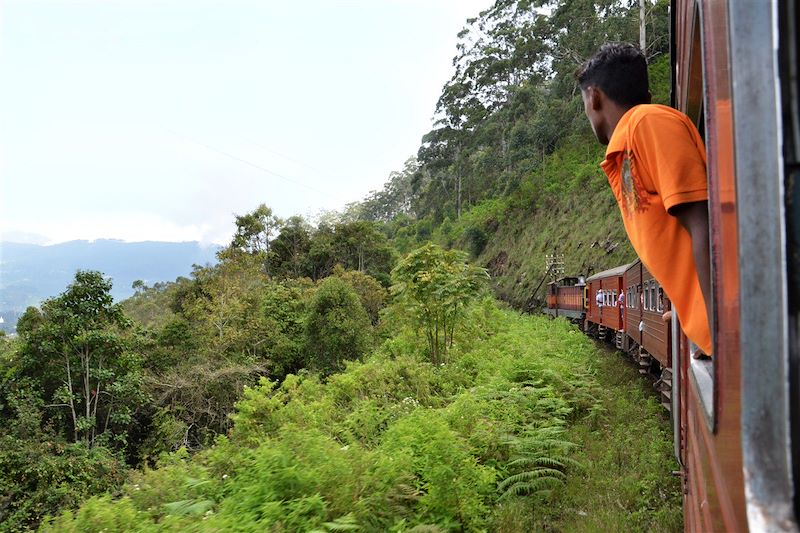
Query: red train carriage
{"points": [[565, 297], [735, 67], [603, 313], [647, 335]]}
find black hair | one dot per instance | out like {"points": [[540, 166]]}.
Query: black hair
{"points": [[620, 71]]}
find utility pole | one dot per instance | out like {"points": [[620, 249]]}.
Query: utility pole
{"points": [[554, 266]]}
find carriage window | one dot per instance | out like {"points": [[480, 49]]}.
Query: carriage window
{"points": [[652, 295], [646, 295], [660, 300]]}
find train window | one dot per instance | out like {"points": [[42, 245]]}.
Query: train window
{"points": [[652, 295], [660, 300], [646, 295]]}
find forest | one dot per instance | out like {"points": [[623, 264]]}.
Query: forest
{"points": [[371, 371]]}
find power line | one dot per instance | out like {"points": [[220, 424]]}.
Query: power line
{"points": [[249, 163]]}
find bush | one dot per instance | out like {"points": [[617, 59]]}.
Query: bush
{"points": [[338, 328], [370, 292], [43, 477]]}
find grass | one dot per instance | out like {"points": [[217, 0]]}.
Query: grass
{"points": [[626, 450]]}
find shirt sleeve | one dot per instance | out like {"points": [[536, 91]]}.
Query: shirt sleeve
{"points": [[672, 156]]}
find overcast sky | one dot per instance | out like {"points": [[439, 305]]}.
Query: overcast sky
{"points": [[160, 119]]}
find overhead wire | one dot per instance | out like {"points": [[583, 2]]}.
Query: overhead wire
{"points": [[251, 164]]}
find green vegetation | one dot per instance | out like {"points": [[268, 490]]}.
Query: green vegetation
{"points": [[395, 442], [356, 375]]}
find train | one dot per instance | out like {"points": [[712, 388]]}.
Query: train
{"points": [[736, 416]]}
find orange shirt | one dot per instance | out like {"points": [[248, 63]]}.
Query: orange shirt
{"points": [[656, 160]]}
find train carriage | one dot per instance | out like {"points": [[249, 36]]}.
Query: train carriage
{"points": [[645, 305], [735, 74], [565, 297], [736, 425], [603, 312]]}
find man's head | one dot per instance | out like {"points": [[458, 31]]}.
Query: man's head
{"points": [[612, 81]]}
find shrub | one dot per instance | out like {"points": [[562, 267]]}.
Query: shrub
{"points": [[338, 328], [41, 477], [433, 287]]}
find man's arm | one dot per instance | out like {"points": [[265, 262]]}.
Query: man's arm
{"points": [[694, 217]]}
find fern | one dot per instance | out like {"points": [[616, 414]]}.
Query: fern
{"points": [[343, 523], [538, 463]]}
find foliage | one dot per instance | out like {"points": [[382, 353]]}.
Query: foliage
{"points": [[40, 476], [41, 473], [433, 286], [254, 231], [75, 348], [370, 292], [390, 444], [338, 327], [290, 250]]}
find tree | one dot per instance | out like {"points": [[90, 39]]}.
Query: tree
{"points": [[370, 292], [338, 328], [289, 256], [433, 286], [254, 234], [393, 200], [75, 349]]}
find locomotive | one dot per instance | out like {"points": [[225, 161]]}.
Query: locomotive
{"points": [[736, 416]]}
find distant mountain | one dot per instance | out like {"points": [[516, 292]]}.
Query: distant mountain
{"points": [[30, 273]]}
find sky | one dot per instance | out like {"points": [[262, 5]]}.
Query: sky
{"points": [[161, 119]]}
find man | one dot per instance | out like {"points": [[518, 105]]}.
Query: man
{"points": [[656, 165]]}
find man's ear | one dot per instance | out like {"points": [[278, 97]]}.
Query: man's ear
{"points": [[595, 98]]}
